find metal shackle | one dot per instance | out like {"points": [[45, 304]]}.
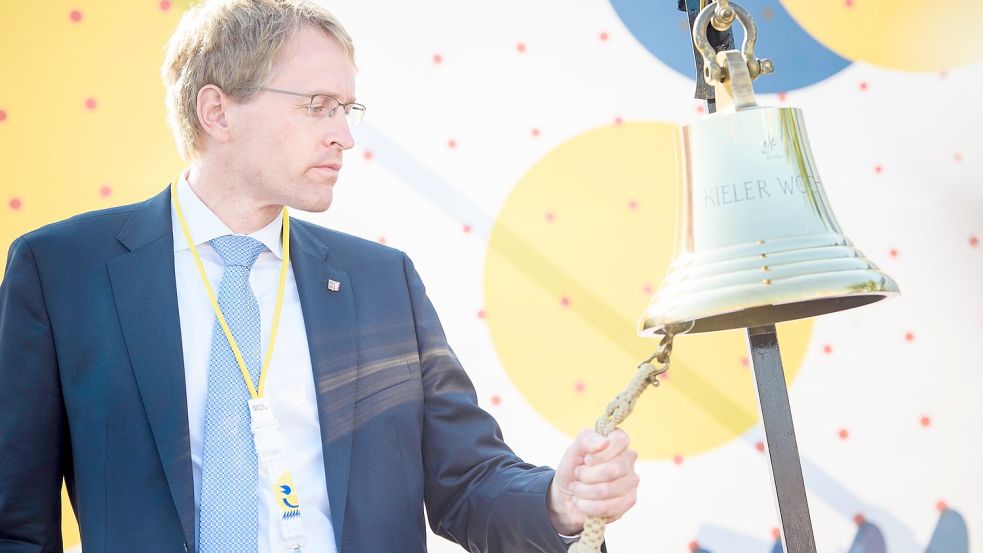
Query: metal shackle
{"points": [[721, 15]]}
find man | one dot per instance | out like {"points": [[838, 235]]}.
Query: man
{"points": [[135, 342]]}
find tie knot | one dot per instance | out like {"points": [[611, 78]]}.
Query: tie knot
{"points": [[237, 250]]}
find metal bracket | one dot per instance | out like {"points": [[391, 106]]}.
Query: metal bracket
{"points": [[719, 40]]}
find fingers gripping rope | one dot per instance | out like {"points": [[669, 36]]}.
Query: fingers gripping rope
{"points": [[617, 411]]}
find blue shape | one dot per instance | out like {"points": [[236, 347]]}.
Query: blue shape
{"points": [[799, 59], [951, 535], [286, 491], [869, 539]]}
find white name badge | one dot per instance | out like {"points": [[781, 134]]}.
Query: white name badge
{"points": [[272, 451]]}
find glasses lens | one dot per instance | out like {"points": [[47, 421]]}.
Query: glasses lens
{"points": [[322, 105], [355, 115]]}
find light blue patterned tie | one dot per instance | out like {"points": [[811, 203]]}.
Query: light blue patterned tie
{"points": [[229, 515]]}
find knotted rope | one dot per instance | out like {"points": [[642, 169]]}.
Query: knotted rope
{"points": [[617, 411]]}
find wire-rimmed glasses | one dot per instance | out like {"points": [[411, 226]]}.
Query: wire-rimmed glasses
{"points": [[326, 104]]}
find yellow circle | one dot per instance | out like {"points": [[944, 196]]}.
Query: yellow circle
{"points": [[572, 260], [85, 125], [910, 36]]}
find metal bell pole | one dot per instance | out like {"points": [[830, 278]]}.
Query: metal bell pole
{"points": [[795, 523]]}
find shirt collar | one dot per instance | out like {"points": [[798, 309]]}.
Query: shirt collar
{"points": [[205, 225]]}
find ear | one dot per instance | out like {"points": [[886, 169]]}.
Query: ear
{"points": [[211, 110]]}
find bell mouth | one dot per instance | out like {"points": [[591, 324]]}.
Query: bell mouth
{"points": [[756, 316]]}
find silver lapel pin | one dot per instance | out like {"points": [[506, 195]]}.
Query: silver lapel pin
{"points": [[334, 285]]}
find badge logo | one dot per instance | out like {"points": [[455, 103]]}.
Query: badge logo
{"points": [[286, 496]]}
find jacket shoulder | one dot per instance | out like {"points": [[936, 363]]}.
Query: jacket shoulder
{"points": [[350, 247], [83, 227]]}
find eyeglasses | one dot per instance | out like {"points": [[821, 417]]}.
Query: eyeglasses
{"points": [[325, 104]]}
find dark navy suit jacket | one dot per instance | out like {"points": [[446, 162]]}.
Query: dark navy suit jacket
{"points": [[92, 389]]}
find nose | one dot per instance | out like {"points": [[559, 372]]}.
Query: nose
{"points": [[339, 133]]}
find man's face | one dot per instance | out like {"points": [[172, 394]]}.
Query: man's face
{"points": [[286, 156]]}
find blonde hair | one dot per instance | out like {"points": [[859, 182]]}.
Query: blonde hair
{"points": [[235, 45]]}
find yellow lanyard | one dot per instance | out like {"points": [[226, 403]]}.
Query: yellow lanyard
{"points": [[218, 310]]}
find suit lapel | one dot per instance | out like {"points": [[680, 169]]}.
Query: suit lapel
{"points": [[146, 301], [329, 317]]}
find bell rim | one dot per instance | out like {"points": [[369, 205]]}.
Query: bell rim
{"points": [[785, 292]]}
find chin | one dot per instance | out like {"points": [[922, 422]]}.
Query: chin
{"points": [[316, 205]]}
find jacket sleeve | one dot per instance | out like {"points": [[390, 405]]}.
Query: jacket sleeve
{"points": [[478, 493], [33, 442]]}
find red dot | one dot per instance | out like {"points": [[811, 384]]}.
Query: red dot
{"points": [[481, 313], [647, 288], [782, 96], [768, 14], [926, 421], [452, 144], [745, 362], [495, 400], [535, 132], [665, 375], [550, 217], [367, 156], [678, 459], [521, 47], [603, 36], [632, 205], [776, 533], [859, 519], [565, 301], [893, 252], [848, 3], [105, 191], [760, 446], [957, 157], [15, 203], [91, 104], [863, 85], [878, 169], [941, 506], [75, 16], [164, 5], [382, 239], [700, 108], [437, 58], [3, 116], [579, 387], [694, 546], [844, 434], [466, 228], [827, 349], [618, 121], [909, 337], [973, 240]]}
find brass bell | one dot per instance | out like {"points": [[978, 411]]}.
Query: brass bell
{"points": [[756, 239]]}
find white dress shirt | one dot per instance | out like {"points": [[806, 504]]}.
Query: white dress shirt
{"points": [[290, 384]]}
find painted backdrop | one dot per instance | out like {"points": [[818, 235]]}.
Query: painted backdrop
{"points": [[522, 153]]}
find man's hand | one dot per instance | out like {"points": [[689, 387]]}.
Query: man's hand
{"points": [[596, 476]]}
